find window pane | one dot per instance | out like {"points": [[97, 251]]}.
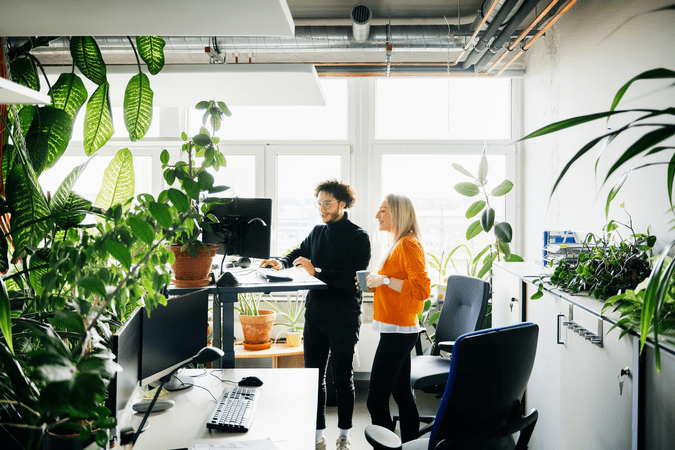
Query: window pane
{"points": [[118, 124], [428, 181], [89, 182], [443, 108], [239, 175], [287, 122], [297, 176]]}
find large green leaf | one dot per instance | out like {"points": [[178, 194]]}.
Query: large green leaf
{"points": [[60, 197], [643, 144], [23, 72], [74, 203], [467, 189], [475, 208], [29, 208], [151, 50], [648, 75], [118, 183], [5, 316], [473, 230], [503, 188], [69, 94], [98, 126], [87, 57], [120, 252], [487, 219], [483, 169], [138, 106], [142, 229], [503, 232], [48, 137]]}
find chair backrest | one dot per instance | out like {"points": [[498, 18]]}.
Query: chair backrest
{"points": [[489, 371], [463, 310]]}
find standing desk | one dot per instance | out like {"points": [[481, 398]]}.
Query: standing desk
{"points": [[224, 299], [285, 413]]}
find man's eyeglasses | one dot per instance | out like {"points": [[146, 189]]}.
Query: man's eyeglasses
{"points": [[324, 205]]}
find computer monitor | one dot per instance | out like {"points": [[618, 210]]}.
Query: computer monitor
{"points": [[244, 228], [172, 335], [126, 345]]}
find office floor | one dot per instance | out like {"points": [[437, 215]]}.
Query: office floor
{"points": [[426, 404]]}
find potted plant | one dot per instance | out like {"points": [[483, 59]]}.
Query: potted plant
{"points": [[292, 314], [192, 256], [65, 281], [647, 142], [256, 323]]}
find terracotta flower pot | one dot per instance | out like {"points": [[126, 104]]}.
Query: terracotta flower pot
{"points": [[188, 268], [258, 329]]}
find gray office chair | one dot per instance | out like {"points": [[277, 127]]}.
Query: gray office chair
{"points": [[463, 312], [481, 407]]}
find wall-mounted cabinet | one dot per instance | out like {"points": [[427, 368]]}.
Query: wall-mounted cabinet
{"points": [[586, 381]]}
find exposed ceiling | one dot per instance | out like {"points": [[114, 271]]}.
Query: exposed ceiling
{"points": [[402, 36]]}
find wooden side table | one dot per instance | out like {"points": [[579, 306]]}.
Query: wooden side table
{"points": [[282, 355]]}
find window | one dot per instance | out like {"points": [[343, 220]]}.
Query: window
{"points": [[443, 108], [89, 182], [297, 177], [428, 180], [318, 123], [239, 175]]}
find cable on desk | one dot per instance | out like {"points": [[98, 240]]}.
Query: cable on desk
{"points": [[202, 387], [212, 373], [199, 374]]}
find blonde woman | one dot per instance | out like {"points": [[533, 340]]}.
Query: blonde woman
{"points": [[400, 288]]}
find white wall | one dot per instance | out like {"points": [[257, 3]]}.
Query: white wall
{"points": [[576, 69]]}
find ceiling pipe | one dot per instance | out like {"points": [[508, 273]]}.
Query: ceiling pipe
{"points": [[543, 30], [519, 17], [361, 16], [473, 36], [493, 28]]}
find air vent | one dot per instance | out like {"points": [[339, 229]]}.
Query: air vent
{"points": [[361, 16]]}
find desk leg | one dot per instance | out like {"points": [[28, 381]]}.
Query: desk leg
{"points": [[217, 331], [226, 310]]}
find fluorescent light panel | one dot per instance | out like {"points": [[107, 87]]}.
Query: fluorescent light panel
{"points": [[146, 18], [234, 84]]}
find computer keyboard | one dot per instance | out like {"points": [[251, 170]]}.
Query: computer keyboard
{"points": [[272, 274], [235, 410]]}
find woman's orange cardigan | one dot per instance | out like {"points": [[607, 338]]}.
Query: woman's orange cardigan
{"points": [[406, 263]]}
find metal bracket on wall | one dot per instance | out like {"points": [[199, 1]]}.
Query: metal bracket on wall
{"points": [[595, 338]]}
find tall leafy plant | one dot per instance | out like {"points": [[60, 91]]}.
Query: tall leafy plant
{"points": [[650, 129], [502, 231]]}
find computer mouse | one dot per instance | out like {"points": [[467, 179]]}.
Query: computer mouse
{"points": [[250, 382]]}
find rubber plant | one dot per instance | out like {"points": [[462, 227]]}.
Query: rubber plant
{"points": [[647, 132]]}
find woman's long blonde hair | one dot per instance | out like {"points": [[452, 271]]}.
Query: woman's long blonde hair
{"points": [[403, 220]]}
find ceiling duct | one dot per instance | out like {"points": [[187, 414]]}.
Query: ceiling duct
{"points": [[361, 16]]}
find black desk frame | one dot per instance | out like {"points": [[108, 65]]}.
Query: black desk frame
{"points": [[224, 299]]}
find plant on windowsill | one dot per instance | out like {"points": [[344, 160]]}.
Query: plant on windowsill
{"points": [[256, 323], [648, 137], [192, 256], [292, 314]]}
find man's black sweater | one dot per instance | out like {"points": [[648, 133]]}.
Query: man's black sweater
{"points": [[339, 249]]}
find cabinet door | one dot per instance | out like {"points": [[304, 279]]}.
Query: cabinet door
{"points": [[506, 301], [595, 411], [543, 390]]}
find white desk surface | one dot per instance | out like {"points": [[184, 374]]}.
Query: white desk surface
{"points": [[286, 411]]}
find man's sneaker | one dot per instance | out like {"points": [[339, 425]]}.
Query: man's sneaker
{"points": [[343, 443], [321, 445]]}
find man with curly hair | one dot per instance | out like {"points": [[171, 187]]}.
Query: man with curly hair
{"points": [[332, 252]]}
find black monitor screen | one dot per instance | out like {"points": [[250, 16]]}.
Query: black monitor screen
{"points": [[173, 334], [244, 227], [127, 349]]}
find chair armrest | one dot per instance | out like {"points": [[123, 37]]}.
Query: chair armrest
{"points": [[381, 438], [446, 346]]}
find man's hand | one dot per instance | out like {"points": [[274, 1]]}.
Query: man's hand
{"points": [[306, 264], [273, 263]]}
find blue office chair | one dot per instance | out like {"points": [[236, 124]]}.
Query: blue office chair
{"points": [[481, 408], [463, 311]]}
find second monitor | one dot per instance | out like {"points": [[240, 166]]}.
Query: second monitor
{"points": [[244, 228]]}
